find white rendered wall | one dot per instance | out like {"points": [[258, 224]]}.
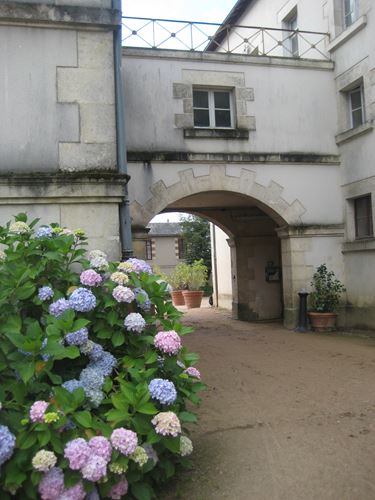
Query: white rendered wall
{"points": [[221, 268]]}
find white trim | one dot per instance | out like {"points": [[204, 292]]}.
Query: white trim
{"points": [[343, 37], [211, 107], [362, 106]]}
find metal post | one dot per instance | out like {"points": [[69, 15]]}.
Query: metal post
{"points": [[302, 316], [124, 212]]}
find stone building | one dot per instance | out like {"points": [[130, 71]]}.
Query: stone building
{"points": [[164, 245], [267, 132]]}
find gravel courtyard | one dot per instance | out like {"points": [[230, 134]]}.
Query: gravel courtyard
{"points": [[286, 416]]}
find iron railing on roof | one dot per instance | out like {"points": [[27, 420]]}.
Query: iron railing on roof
{"points": [[233, 39]]}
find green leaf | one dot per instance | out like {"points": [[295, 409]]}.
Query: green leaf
{"points": [[172, 444], [118, 338], [187, 416], [26, 370], [83, 418], [147, 409], [26, 440], [44, 437], [141, 491]]}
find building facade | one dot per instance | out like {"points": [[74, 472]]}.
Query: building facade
{"points": [[164, 246]]}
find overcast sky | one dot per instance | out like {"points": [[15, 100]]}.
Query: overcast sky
{"points": [[213, 11]]}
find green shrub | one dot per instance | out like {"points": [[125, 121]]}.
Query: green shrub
{"points": [[57, 385], [327, 290], [197, 274]]}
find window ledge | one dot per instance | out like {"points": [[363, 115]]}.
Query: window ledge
{"points": [[216, 133], [348, 135], [363, 245], [347, 33]]}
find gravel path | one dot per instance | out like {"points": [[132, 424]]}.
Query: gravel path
{"points": [[286, 417]]}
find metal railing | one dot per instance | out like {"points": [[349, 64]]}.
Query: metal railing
{"points": [[233, 39]]}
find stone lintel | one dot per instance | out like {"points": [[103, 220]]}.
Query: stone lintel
{"points": [[39, 13], [278, 158], [310, 230]]}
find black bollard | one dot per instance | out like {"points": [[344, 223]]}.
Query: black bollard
{"points": [[302, 316]]}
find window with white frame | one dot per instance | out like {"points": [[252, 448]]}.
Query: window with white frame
{"points": [[290, 42], [350, 12], [212, 108], [356, 106]]}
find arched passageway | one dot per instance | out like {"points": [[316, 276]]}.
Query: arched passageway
{"points": [[257, 220]]}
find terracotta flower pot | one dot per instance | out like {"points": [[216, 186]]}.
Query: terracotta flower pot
{"points": [[322, 322], [193, 298], [177, 298]]}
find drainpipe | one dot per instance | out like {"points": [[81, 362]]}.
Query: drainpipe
{"points": [[215, 263], [122, 167]]}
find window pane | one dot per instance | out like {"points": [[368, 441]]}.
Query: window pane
{"points": [[200, 99], [222, 100], [355, 97], [363, 217], [357, 118], [222, 118], [201, 118]]}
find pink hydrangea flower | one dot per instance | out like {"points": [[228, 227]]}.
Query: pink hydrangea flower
{"points": [[167, 424], [77, 452], [90, 278], [119, 489], [124, 440], [123, 294], [101, 447], [193, 372], [38, 410], [168, 342], [94, 469], [76, 492], [51, 485]]}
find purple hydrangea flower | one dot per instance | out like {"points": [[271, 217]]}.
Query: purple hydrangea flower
{"points": [[59, 307], [105, 364], [45, 293], [145, 302], [168, 342], [193, 372], [124, 440], [72, 385], [76, 492], [140, 266], [119, 489], [94, 469], [123, 294], [90, 278], [51, 485], [77, 452], [96, 352], [163, 390], [7, 444], [101, 447], [82, 300], [38, 410], [79, 337], [134, 322], [44, 232], [151, 453]]}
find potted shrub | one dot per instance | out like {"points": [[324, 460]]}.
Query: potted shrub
{"points": [[196, 279], [324, 299], [178, 281]]}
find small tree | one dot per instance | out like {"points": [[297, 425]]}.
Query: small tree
{"points": [[196, 235], [326, 290]]}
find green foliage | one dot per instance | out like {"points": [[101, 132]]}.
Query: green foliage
{"points": [[35, 362], [179, 276], [197, 240], [197, 275], [327, 290]]}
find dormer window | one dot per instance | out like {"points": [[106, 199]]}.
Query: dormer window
{"points": [[212, 108]]}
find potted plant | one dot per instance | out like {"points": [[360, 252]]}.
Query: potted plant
{"points": [[178, 281], [196, 279], [324, 299]]}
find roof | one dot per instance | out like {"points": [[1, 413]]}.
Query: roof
{"points": [[164, 228], [234, 15]]}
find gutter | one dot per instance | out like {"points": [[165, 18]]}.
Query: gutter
{"points": [[122, 167]]}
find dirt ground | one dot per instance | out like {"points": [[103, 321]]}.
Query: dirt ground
{"points": [[286, 416]]}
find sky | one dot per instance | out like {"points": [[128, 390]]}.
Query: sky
{"points": [[212, 11]]}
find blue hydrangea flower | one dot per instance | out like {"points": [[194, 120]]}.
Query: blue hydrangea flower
{"points": [[91, 379], [95, 396], [72, 385], [104, 364], [96, 352], [44, 232], [79, 337], [140, 266], [163, 390], [45, 293], [59, 307], [82, 300], [7, 444], [144, 304], [45, 357], [134, 322]]}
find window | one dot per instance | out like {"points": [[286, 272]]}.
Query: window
{"points": [[291, 39], [181, 248], [350, 12], [363, 217], [148, 249], [356, 104], [212, 108]]}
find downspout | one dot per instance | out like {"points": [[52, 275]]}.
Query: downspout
{"points": [[215, 264], [122, 167]]}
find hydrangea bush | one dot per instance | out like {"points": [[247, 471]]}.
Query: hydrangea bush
{"points": [[96, 384]]}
